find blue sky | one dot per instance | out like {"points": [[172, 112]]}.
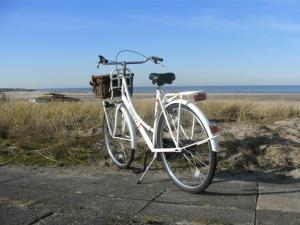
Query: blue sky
{"points": [[54, 43]]}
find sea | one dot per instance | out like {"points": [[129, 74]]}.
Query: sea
{"points": [[255, 89]]}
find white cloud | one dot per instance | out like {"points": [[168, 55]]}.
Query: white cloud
{"points": [[284, 26], [204, 22]]}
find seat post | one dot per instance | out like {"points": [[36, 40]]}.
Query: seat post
{"points": [[156, 109], [157, 87]]}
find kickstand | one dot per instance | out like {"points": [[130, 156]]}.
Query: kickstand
{"points": [[145, 159], [146, 170], [141, 170]]}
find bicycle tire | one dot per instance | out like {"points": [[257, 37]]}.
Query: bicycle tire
{"points": [[167, 158]]}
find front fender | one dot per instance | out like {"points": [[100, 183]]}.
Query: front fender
{"points": [[132, 130]]}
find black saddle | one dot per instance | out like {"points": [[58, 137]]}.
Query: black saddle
{"points": [[162, 78]]}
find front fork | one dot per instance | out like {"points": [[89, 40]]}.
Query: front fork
{"points": [[115, 128], [106, 107]]}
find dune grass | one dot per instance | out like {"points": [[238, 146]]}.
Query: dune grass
{"points": [[71, 133], [250, 111], [58, 133]]}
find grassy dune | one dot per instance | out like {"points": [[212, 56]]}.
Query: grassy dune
{"points": [[71, 133]]}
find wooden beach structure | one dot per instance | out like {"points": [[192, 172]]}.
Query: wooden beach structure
{"points": [[54, 97]]}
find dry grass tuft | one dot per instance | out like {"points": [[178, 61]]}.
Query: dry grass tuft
{"points": [[47, 133], [238, 111], [19, 119]]}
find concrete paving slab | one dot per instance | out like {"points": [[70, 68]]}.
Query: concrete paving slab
{"points": [[20, 215], [71, 219], [225, 191], [281, 194], [101, 205], [123, 185], [270, 217], [13, 173], [187, 214], [23, 194], [45, 182]]}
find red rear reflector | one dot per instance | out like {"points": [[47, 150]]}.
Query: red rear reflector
{"points": [[214, 129], [200, 97]]}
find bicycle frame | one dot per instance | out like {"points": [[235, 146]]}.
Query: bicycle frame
{"points": [[162, 101]]}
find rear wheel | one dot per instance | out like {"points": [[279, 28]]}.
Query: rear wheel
{"points": [[193, 168], [118, 145]]}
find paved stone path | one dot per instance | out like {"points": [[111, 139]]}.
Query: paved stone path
{"points": [[56, 196]]}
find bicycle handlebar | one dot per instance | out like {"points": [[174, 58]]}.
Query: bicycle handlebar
{"points": [[104, 61]]}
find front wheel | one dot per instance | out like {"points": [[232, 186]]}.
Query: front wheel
{"points": [[119, 142], [193, 168]]}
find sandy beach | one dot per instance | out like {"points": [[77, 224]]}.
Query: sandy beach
{"points": [[26, 95]]}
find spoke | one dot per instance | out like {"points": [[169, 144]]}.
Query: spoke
{"points": [[198, 169], [195, 158], [181, 128], [193, 126], [122, 147], [190, 167], [199, 161], [196, 143], [191, 163], [120, 138]]}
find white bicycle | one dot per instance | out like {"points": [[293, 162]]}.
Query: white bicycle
{"points": [[181, 133]]}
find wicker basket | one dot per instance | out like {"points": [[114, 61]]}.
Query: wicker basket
{"points": [[102, 89], [101, 86]]}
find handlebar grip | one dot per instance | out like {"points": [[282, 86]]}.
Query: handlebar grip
{"points": [[157, 59], [102, 59]]}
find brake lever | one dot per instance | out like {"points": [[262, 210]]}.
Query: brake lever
{"points": [[102, 60], [157, 61]]}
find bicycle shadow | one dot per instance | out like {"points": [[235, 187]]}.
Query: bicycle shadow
{"points": [[254, 182]]}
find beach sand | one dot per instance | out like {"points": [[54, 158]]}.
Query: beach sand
{"points": [[26, 95]]}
